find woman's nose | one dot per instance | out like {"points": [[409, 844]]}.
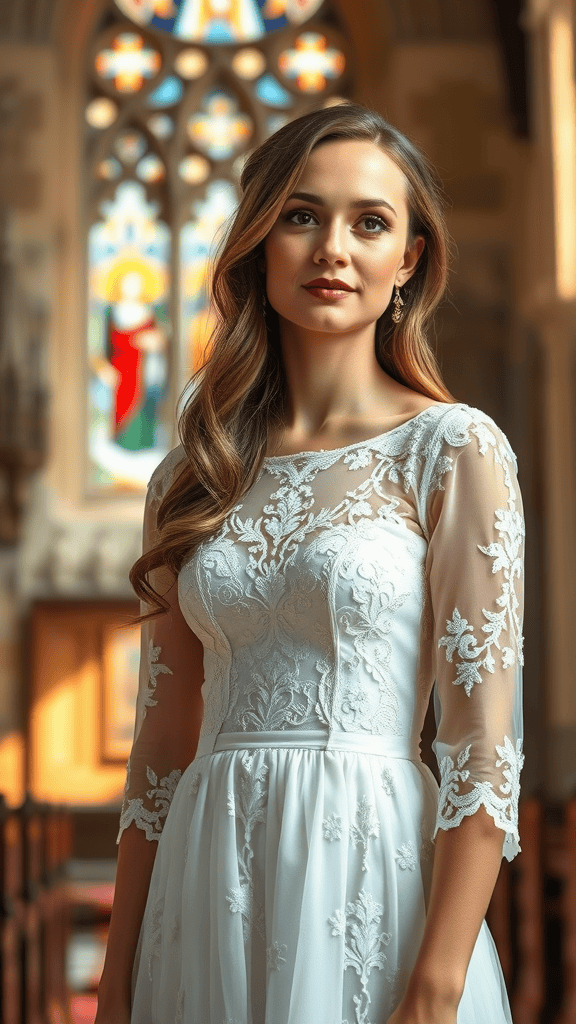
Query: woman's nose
{"points": [[332, 247]]}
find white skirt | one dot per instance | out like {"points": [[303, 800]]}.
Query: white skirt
{"points": [[290, 887]]}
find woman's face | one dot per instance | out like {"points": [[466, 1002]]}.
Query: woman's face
{"points": [[345, 227]]}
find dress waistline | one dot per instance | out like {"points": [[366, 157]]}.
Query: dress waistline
{"points": [[314, 739]]}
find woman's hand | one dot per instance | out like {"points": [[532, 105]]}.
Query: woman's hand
{"points": [[428, 1000], [413, 1012]]}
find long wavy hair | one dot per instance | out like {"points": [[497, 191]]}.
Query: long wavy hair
{"points": [[238, 396]]}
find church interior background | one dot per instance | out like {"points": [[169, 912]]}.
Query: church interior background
{"points": [[123, 129]]}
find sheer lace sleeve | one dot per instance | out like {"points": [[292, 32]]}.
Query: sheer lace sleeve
{"points": [[475, 572], [168, 708]]}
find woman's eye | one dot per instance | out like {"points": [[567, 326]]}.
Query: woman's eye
{"points": [[304, 215], [374, 225]]}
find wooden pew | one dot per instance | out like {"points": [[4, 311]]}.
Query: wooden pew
{"points": [[34, 946], [12, 916], [55, 912], [568, 905]]}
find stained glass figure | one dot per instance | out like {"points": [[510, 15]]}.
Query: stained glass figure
{"points": [[186, 127], [129, 62], [197, 241], [167, 94], [219, 21], [220, 130], [129, 259], [101, 112], [311, 61]]}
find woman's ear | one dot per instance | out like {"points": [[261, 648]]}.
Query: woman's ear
{"points": [[411, 257]]}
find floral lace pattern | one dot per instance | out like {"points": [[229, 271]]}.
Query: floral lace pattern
{"points": [[365, 827], [266, 576], [507, 560], [301, 598], [151, 821], [275, 956], [502, 806], [406, 856], [342, 591], [363, 945], [248, 805], [155, 933], [360, 832], [154, 670]]}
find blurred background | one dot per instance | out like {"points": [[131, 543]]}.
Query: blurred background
{"points": [[123, 130]]}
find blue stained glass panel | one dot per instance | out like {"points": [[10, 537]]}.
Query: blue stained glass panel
{"points": [[269, 90], [219, 21], [168, 92]]}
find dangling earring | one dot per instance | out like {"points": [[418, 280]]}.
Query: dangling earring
{"points": [[264, 300], [398, 303]]}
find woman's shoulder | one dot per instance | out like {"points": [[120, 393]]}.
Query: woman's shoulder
{"points": [[163, 474], [458, 425]]}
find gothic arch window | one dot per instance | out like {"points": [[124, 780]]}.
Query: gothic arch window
{"points": [[178, 93]]}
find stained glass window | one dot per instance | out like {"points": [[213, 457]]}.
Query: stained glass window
{"points": [[129, 259], [179, 92], [219, 21]]}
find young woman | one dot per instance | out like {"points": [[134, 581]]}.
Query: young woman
{"points": [[333, 537]]}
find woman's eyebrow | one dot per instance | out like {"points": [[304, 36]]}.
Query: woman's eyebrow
{"points": [[310, 197]]}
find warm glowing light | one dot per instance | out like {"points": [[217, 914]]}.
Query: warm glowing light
{"points": [[161, 125], [563, 115], [220, 128], [128, 63], [12, 767], [191, 63], [150, 168], [109, 169], [311, 61], [194, 169], [249, 63], [101, 112]]}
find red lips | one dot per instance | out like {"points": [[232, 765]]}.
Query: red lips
{"points": [[335, 283]]}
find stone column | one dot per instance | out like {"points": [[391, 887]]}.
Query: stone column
{"points": [[548, 303]]}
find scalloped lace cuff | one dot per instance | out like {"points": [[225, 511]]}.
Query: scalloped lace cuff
{"points": [[502, 806]]}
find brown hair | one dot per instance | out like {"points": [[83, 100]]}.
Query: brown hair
{"points": [[239, 393]]}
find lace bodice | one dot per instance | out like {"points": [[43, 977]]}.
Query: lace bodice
{"points": [[341, 589]]}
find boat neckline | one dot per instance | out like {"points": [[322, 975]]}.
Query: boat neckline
{"points": [[366, 440]]}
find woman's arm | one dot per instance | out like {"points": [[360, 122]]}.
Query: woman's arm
{"points": [[135, 862], [474, 570], [168, 718], [466, 865]]}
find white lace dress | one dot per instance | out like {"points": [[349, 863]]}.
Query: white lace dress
{"points": [[295, 846]]}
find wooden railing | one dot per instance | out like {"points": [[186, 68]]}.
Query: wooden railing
{"points": [[34, 847]]}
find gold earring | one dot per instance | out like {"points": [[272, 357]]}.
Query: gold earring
{"points": [[398, 303]]}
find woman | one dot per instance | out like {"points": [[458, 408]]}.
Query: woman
{"points": [[333, 534]]}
